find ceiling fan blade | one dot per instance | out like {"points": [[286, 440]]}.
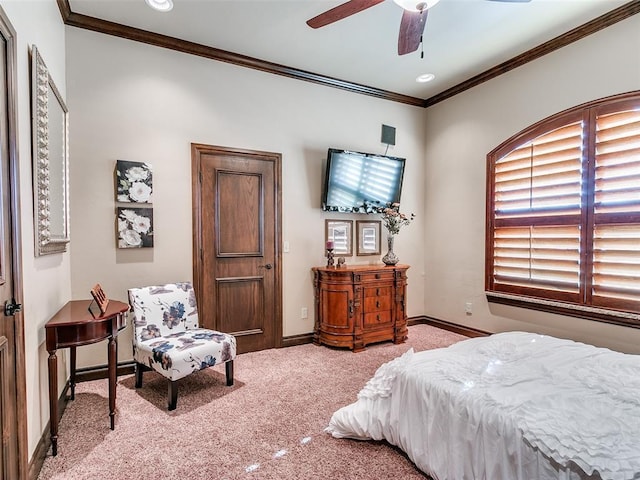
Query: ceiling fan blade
{"points": [[411, 29], [341, 11]]}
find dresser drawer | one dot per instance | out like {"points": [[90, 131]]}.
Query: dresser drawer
{"points": [[377, 318], [378, 291], [375, 304], [376, 276]]}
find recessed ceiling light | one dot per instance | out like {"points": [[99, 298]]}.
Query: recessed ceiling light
{"points": [[425, 77], [160, 5]]}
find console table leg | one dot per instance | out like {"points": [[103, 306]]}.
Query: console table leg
{"points": [[113, 360], [53, 401], [72, 379]]}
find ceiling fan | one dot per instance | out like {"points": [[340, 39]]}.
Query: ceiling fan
{"points": [[414, 18]]}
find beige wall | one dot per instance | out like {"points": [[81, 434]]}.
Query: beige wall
{"points": [[135, 102], [462, 130], [46, 279]]}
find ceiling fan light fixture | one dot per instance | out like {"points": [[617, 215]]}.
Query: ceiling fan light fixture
{"points": [[425, 77], [416, 5], [160, 5]]}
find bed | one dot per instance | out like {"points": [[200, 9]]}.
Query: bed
{"points": [[510, 406]]}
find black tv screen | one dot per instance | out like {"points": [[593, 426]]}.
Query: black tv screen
{"points": [[354, 179]]}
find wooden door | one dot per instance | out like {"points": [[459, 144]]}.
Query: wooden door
{"points": [[236, 254], [12, 391]]}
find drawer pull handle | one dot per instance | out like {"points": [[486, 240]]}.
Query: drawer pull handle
{"points": [[377, 304], [377, 276], [378, 317], [377, 292]]}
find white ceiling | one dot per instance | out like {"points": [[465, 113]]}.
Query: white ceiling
{"points": [[462, 37]]}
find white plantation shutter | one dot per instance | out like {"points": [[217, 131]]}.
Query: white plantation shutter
{"points": [[537, 191], [563, 211], [538, 257], [618, 163], [541, 177], [616, 265], [616, 233]]}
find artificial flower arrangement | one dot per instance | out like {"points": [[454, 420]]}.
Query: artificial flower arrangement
{"points": [[391, 216], [393, 219]]}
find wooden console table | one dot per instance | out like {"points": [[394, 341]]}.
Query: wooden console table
{"points": [[73, 326], [359, 305]]}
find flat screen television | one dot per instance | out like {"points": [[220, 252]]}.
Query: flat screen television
{"points": [[354, 179]]}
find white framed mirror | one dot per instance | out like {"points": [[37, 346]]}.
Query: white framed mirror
{"points": [[50, 161]]}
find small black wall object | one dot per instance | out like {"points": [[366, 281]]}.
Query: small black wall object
{"points": [[388, 135]]}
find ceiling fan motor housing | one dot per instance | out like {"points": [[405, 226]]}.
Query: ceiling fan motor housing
{"points": [[416, 5]]}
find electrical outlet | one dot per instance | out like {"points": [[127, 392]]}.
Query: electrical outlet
{"points": [[468, 308], [285, 246], [304, 313]]}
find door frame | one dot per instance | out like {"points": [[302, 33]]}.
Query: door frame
{"points": [[197, 150], [9, 33]]}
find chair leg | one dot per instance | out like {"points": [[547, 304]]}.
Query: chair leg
{"points": [[229, 370], [138, 369], [173, 394]]}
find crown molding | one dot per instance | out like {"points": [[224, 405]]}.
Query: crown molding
{"points": [[143, 36], [621, 13], [73, 19]]}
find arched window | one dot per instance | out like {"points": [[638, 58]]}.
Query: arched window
{"points": [[563, 214]]}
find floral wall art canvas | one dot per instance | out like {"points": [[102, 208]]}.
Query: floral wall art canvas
{"points": [[134, 182], [135, 227]]}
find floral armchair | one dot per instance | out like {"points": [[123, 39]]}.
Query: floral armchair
{"points": [[167, 337]]}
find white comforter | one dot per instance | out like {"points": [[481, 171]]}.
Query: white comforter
{"points": [[512, 406]]}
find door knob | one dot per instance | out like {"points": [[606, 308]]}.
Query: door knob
{"points": [[268, 266], [11, 308]]}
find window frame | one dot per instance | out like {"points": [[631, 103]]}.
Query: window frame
{"points": [[581, 304]]}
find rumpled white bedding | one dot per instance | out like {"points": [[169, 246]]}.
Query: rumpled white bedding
{"points": [[511, 406]]}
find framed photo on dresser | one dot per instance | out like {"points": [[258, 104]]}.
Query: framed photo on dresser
{"points": [[339, 232], [367, 237]]}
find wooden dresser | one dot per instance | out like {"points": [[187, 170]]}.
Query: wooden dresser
{"points": [[359, 305]]}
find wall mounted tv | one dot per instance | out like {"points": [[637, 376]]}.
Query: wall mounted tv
{"points": [[355, 178]]}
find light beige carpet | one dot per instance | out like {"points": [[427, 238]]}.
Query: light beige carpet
{"points": [[269, 425]]}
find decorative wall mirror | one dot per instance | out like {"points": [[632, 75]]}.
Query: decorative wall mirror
{"points": [[50, 161]]}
